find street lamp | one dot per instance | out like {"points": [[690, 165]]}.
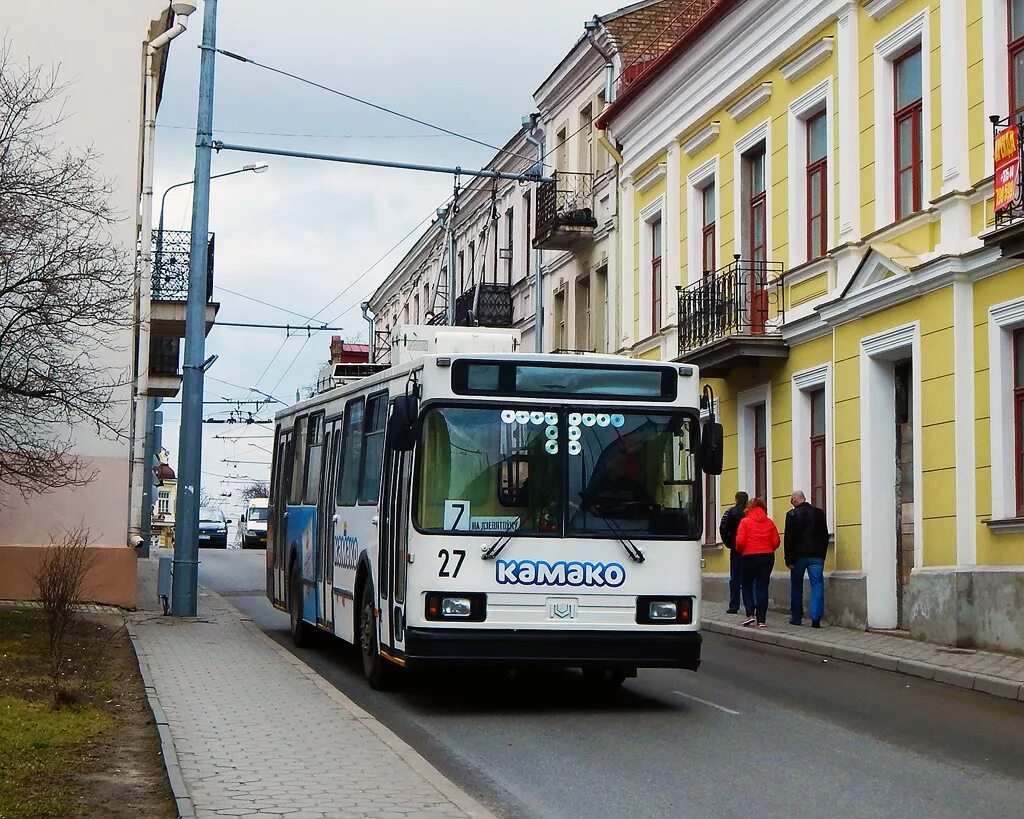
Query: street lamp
{"points": [[257, 167]]}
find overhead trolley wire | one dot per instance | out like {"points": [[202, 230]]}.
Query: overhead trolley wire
{"points": [[361, 101]]}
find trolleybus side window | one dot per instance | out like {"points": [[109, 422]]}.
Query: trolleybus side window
{"points": [[314, 456], [373, 449], [297, 454], [351, 453]]}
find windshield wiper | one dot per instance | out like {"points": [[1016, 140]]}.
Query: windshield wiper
{"points": [[492, 551], [634, 551]]}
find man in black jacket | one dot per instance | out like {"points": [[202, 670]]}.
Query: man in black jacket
{"points": [[806, 543], [727, 529]]}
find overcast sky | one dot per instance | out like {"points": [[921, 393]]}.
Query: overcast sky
{"points": [[305, 234]]}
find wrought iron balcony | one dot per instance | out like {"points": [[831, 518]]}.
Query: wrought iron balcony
{"points": [[487, 304], [733, 316], [170, 265], [565, 211]]}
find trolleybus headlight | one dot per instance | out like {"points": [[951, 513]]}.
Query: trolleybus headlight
{"points": [[447, 606], [663, 610], [456, 607]]}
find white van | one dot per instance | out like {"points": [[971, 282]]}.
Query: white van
{"points": [[252, 528]]}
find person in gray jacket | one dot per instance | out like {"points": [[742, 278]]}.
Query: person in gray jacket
{"points": [[727, 529]]}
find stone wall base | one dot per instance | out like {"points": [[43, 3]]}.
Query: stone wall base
{"points": [[111, 579], [980, 607]]}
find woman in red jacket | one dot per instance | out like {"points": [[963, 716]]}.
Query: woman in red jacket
{"points": [[756, 540]]}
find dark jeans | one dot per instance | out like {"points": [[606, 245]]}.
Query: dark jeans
{"points": [[757, 573], [815, 567], [735, 579]]}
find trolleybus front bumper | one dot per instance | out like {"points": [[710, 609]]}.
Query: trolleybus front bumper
{"points": [[571, 649]]}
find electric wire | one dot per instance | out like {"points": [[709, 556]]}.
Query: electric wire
{"points": [[361, 101], [329, 136]]}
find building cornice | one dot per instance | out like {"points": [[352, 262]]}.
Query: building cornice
{"points": [[704, 137], [809, 58], [714, 68], [749, 103]]}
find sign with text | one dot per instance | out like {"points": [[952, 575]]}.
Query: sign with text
{"points": [[1007, 167]]}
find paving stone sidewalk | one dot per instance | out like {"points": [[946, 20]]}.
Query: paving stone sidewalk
{"points": [[988, 671], [248, 729]]}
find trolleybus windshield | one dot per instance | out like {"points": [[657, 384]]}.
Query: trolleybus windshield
{"points": [[551, 471]]}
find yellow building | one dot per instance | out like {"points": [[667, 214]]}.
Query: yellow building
{"points": [[816, 179]]}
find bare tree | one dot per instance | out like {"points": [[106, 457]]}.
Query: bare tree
{"points": [[60, 580], [65, 289], [256, 489]]}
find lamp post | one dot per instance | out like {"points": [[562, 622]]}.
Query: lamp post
{"points": [[153, 421], [257, 167]]}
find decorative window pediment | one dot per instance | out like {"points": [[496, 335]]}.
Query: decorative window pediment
{"points": [[882, 262]]}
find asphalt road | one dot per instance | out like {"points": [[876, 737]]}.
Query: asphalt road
{"points": [[759, 730]]}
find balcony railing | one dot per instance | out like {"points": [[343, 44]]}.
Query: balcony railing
{"points": [[487, 304], [743, 300], [565, 211], [170, 265]]}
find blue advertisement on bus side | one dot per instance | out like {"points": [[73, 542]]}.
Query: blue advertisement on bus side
{"points": [[300, 535]]}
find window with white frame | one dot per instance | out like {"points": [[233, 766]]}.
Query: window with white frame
{"points": [[908, 134], [902, 118], [811, 186], [755, 204], [656, 274], [754, 444], [163, 502], [702, 208], [1015, 47], [812, 436], [709, 229], [1006, 390]]}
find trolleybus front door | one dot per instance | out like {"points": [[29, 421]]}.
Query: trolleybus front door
{"points": [[394, 541], [327, 519]]}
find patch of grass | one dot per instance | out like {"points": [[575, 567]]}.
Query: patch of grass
{"points": [[39, 746]]}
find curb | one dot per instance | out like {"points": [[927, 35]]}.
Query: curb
{"points": [[182, 798], [406, 752], [996, 686]]}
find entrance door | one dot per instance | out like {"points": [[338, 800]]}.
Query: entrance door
{"points": [[327, 519], [394, 541], [904, 491], [276, 568]]}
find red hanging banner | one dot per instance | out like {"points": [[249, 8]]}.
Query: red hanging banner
{"points": [[1007, 167]]}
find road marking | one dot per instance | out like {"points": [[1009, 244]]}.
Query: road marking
{"points": [[708, 702]]}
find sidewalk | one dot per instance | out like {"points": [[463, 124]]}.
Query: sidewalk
{"points": [[248, 729], [999, 674]]}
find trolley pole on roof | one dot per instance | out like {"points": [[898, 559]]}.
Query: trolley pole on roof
{"points": [[184, 591]]}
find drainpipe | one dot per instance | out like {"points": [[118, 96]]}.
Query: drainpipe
{"points": [[368, 318], [591, 27], [143, 407], [538, 282]]}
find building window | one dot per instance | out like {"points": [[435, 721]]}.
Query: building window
{"points": [[528, 221], [510, 231], [559, 328], [817, 186], [757, 204], [708, 238], [655, 275], [710, 511], [760, 413], [163, 502], [462, 273], [1015, 27], [586, 130], [560, 150], [1018, 416], [818, 495], [909, 163]]}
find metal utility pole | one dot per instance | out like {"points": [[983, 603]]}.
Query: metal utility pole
{"points": [[184, 592]]}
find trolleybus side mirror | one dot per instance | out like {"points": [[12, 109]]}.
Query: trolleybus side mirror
{"points": [[712, 438], [402, 424]]}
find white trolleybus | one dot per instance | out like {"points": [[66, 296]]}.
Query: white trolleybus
{"points": [[471, 504]]}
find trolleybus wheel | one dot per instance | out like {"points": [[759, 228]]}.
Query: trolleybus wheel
{"points": [[378, 671], [298, 627]]}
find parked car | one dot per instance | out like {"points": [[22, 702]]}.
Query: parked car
{"points": [[213, 528], [252, 528]]}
